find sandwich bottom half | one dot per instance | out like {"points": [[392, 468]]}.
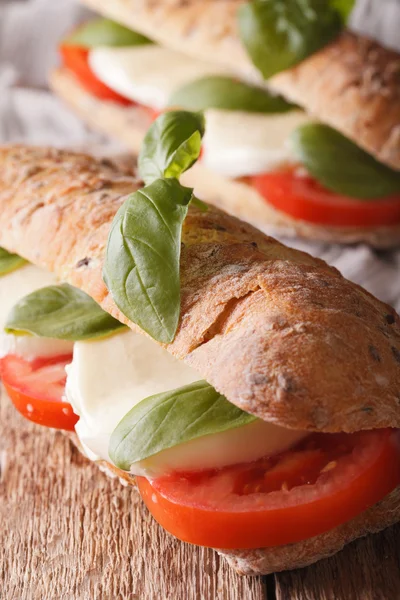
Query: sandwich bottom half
{"points": [[263, 561], [235, 196]]}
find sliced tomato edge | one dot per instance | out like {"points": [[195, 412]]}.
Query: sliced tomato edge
{"points": [[47, 412], [186, 528]]}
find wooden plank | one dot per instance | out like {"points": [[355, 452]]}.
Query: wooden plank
{"points": [[69, 532], [368, 569]]}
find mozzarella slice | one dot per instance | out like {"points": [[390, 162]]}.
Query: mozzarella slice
{"points": [[108, 377], [235, 446], [13, 287], [238, 143], [147, 74]]}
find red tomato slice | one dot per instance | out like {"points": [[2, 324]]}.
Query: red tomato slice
{"points": [[326, 480], [37, 388], [302, 197], [75, 58]]}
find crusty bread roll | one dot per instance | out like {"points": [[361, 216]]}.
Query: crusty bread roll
{"points": [[352, 84], [280, 333], [237, 197]]}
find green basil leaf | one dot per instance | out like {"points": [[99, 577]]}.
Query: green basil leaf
{"points": [[202, 206], [103, 32], [171, 146], [61, 312], [229, 94], [10, 262], [143, 256], [340, 165], [344, 7], [279, 34], [170, 419]]}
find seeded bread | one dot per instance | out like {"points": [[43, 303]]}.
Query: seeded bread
{"points": [[278, 332], [353, 84], [237, 197]]}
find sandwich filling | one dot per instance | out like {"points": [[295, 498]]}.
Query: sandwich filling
{"points": [[248, 483], [338, 184]]}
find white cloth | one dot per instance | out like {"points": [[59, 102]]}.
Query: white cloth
{"points": [[29, 32]]}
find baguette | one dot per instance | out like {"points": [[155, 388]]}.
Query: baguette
{"points": [[129, 125], [280, 333], [352, 84]]}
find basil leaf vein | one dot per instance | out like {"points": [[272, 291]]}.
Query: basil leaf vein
{"points": [[61, 312], [170, 419], [279, 34], [171, 146], [104, 32], [229, 94], [142, 262], [10, 262], [340, 165]]}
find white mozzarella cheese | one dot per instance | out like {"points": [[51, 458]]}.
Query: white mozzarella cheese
{"points": [[238, 143], [147, 74], [13, 287], [108, 377], [235, 446]]}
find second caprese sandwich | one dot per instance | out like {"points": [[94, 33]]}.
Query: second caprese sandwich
{"points": [[329, 172]]}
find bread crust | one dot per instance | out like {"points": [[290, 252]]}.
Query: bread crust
{"points": [[353, 84], [129, 125], [278, 332], [262, 561]]}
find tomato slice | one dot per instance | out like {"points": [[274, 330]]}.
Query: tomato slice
{"points": [[76, 59], [37, 388], [302, 197], [324, 481]]}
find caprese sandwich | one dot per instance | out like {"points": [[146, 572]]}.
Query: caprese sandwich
{"points": [[251, 390], [329, 172]]}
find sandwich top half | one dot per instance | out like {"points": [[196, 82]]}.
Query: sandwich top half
{"points": [[252, 382], [331, 172]]}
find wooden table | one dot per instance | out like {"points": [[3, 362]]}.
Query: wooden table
{"points": [[68, 532]]}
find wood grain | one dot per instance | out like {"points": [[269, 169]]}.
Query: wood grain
{"points": [[68, 532], [368, 569]]}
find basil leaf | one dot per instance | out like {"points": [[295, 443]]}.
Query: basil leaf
{"points": [[340, 165], [202, 206], [103, 32], [171, 146], [344, 7], [278, 34], [61, 312], [10, 262], [229, 94], [143, 256], [170, 419]]}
